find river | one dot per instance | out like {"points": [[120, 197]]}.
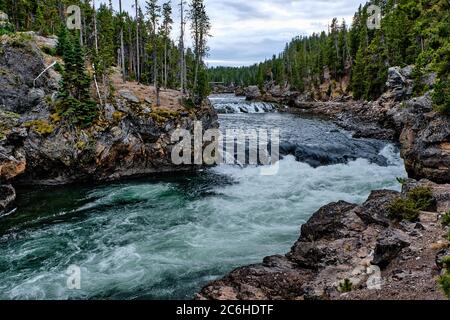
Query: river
{"points": [[165, 237]]}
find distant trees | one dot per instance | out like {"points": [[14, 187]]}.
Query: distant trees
{"points": [[412, 32], [165, 32], [138, 42], [200, 27]]}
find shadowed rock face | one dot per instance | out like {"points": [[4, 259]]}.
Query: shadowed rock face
{"points": [[7, 196], [130, 139], [20, 63], [347, 241]]}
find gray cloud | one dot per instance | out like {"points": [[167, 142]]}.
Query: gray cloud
{"points": [[248, 32]]}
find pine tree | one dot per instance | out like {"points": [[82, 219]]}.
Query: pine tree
{"points": [[74, 99], [200, 26], [166, 29]]}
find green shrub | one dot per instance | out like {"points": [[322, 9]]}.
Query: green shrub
{"points": [[345, 286], [446, 262], [444, 280], [441, 97], [422, 197], [444, 283], [446, 219], [188, 103], [401, 209], [418, 199], [50, 51]]}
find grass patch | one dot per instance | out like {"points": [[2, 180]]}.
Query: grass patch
{"points": [[160, 116], [20, 40], [418, 199], [41, 127], [118, 116], [446, 219]]}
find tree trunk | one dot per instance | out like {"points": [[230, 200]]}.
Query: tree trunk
{"points": [[122, 50], [138, 67], [95, 27]]}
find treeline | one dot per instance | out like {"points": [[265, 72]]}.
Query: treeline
{"points": [[139, 43], [412, 32]]}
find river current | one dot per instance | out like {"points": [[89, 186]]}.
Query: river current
{"points": [[166, 237]]}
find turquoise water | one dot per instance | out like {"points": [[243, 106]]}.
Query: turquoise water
{"points": [[164, 238]]}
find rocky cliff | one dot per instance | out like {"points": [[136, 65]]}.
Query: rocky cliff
{"points": [[423, 134], [349, 251], [131, 137]]}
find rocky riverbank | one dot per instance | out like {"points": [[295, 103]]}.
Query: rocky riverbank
{"points": [[132, 136], [349, 251]]}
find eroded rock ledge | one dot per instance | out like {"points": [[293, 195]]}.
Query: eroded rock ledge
{"points": [[131, 137], [348, 241]]}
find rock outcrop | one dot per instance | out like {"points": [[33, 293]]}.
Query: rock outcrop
{"points": [[423, 134], [252, 93], [131, 137], [357, 244]]}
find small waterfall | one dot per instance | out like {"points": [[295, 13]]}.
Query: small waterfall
{"points": [[226, 104]]}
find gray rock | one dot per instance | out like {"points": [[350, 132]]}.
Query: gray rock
{"points": [[7, 196], [399, 83], [148, 100], [389, 245], [147, 110], [109, 111], [128, 95], [327, 222], [374, 210], [35, 96], [252, 93], [429, 79]]}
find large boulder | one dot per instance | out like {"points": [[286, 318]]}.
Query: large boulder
{"points": [[399, 82], [389, 245], [328, 222], [425, 141], [18, 69], [129, 96], [11, 166], [252, 93]]}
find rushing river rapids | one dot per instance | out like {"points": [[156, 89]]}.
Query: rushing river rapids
{"points": [[163, 238]]}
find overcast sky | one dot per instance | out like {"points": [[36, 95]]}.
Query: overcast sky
{"points": [[248, 31]]}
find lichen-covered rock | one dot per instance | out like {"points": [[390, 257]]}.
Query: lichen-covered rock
{"points": [[37, 147]]}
